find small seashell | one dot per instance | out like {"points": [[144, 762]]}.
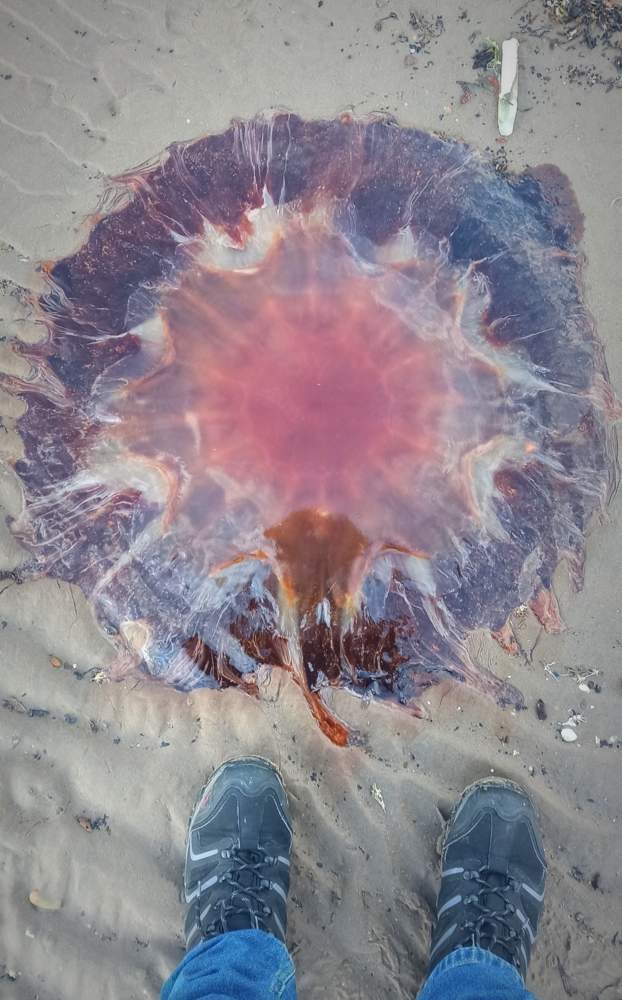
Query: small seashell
{"points": [[41, 902], [541, 710], [568, 735]]}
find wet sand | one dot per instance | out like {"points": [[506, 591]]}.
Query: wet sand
{"points": [[87, 91]]}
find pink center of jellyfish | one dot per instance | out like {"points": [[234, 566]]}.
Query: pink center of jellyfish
{"points": [[304, 378]]}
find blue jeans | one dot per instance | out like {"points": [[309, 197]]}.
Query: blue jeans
{"points": [[253, 965]]}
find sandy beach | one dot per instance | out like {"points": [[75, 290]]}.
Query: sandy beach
{"points": [[97, 778]]}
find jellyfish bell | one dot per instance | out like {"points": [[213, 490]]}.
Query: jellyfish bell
{"points": [[321, 396]]}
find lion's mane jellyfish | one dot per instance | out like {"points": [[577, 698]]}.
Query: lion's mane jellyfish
{"points": [[321, 396]]}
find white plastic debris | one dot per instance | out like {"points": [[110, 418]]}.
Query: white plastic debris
{"points": [[568, 735], [508, 89], [584, 687], [378, 796]]}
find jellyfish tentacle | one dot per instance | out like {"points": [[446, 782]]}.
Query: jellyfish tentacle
{"points": [[506, 638], [545, 607]]}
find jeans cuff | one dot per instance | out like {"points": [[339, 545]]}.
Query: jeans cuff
{"points": [[474, 956]]}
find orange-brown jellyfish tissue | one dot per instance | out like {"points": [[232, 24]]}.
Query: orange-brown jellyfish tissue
{"points": [[321, 396]]}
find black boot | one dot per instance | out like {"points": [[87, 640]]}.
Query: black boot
{"points": [[237, 855], [493, 875]]}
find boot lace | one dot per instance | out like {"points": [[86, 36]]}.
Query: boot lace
{"points": [[246, 880], [490, 928]]}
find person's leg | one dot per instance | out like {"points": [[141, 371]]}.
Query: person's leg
{"points": [[236, 881], [491, 897]]}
